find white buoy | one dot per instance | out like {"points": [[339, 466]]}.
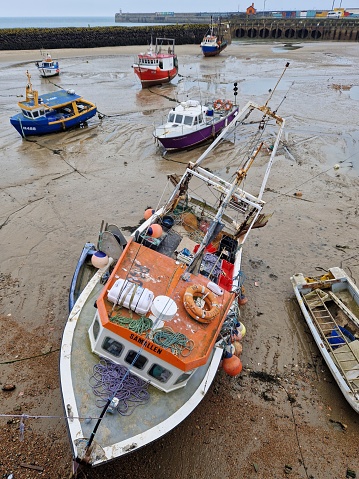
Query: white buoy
{"points": [[99, 259]]}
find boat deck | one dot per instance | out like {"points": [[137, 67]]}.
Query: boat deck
{"points": [[162, 275]]}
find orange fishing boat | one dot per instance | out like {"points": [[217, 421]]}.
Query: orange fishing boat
{"points": [[139, 353]]}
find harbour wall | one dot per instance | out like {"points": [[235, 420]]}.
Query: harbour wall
{"points": [[307, 29], [242, 29]]}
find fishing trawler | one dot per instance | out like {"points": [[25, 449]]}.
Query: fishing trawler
{"points": [[215, 40], [51, 112], [158, 65], [140, 352]]}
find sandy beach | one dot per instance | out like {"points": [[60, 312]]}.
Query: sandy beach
{"points": [[284, 416]]}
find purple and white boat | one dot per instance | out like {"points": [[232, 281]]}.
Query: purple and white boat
{"points": [[191, 123]]}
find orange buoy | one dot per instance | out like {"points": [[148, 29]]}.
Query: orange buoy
{"points": [[155, 230], [242, 300], [99, 259], [148, 213], [232, 365]]}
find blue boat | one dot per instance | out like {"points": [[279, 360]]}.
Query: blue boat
{"points": [[52, 112], [48, 67], [214, 41]]}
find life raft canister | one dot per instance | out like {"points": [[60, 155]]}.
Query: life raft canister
{"points": [[200, 314]]}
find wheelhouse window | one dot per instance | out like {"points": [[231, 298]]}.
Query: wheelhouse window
{"points": [[96, 328], [183, 377], [140, 361], [171, 117], [112, 346], [160, 373], [188, 120], [179, 119]]}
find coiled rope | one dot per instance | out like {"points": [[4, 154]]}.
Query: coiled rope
{"points": [[138, 326], [177, 342], [111, 380]]}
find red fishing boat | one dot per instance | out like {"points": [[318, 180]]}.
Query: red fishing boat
{"points": [[158, 65]]}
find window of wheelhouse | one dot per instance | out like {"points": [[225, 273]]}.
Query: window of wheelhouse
{"points": [[137, 360], [188, 120], [112, 346], [171, 117], [160, 373], [183, 377], [96, 328], [179, 118]]}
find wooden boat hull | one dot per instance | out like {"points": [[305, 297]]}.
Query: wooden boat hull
{"points": [[340, 350], [180, 141]]}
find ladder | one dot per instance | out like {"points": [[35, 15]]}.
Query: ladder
{"points": [[344, 352]]}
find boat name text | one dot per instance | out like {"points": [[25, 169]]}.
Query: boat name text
{"points": [[146, 344]]}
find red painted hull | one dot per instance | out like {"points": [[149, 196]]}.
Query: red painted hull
{"points": [[154, 77]]}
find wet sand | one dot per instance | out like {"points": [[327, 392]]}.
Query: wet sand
{"points": [[284, 416]]}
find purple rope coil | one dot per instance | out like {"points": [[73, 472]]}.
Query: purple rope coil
{"points": [[112, 380]]}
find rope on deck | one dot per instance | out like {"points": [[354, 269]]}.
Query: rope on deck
{"points": [[177, 342]]}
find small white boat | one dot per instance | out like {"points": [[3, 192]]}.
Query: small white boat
{"points": [[48, 67], [191, 123], [330, 305]]}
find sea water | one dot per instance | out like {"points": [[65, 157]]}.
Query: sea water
{"points": [[58, 22]]}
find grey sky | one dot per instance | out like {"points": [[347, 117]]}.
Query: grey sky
{"points": [[82, 8]]}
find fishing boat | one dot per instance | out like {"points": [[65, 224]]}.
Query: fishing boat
{"points": [[48, 67], [330, 306], [215, 40], [51, 112], [158, 65], [191, 123], [139, 353]]}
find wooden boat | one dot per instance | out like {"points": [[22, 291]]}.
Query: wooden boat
{"points": [[190, 123], [215, 40], [330, 305], [48, 67], [157, 66], [139, 353], [51, 112]]}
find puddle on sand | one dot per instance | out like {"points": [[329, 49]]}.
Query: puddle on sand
{"points": [[261, 86], [287, 47]]}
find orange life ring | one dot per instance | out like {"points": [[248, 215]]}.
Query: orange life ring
{"points": [[228, 105], [200, 314], [218, 104]]}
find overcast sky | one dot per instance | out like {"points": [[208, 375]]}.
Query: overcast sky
{"points": [[104, 8]]}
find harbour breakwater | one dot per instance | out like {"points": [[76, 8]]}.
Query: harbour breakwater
{"points": [[249, 29], [92, 37]]}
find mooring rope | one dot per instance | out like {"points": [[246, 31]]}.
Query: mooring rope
{"points": [[138, 326], [177, 342], [110, 380]]}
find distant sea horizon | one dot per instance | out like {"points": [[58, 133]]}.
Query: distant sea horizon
{"points": [[58, 22]]}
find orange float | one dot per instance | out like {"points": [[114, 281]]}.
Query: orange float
{"points": [[155, 230], [218, 104], [148, 213], [232, 365]]}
